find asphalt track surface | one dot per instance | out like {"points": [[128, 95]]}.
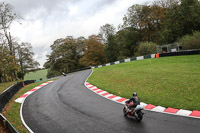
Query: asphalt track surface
{"points": [[67, 106]]}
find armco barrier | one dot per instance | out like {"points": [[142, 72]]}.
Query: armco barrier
{"points": [[127, 60], [147, 56], [10, 92], [185, 52], [79, 70], [6, 96]]}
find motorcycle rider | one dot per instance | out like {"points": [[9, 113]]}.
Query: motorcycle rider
{"points": [[135, 100]]}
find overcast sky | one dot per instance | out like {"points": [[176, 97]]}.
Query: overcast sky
{"points": [[44, 21]]}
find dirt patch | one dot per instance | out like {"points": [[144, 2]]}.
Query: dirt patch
{"points": [[2, 129]]}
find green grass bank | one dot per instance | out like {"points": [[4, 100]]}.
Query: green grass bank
{"points": [[168, 81], [4, 86], [36, 75]]}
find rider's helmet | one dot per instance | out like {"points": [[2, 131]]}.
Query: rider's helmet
{"points": [[134, 94]]}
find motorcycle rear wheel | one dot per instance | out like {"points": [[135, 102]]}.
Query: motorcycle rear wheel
{"points": [[139, 116]]}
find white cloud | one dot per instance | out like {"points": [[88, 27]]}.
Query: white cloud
{"points": [[46, 21]]}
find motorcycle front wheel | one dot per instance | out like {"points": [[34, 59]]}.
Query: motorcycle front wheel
{"points": [[125, 112]]}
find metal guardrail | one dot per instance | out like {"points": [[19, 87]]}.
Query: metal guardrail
{"points": [[127, 60], [185, 52], [6, 96], [78, 70], [11, 91]]}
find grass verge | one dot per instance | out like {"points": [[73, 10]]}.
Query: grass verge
{"points": [[4, 86], [168, 81], [36, 75], [12, 109]]}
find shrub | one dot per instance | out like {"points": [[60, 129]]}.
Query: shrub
{"points": [[190, 41], [146, 48], [51, 73], [20, 75]]}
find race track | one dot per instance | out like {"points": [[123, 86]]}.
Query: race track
{"points": [[67, 106]]}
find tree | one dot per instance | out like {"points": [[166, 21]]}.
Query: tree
{"points": [[81, 44], [7, 16], [107, 33], [47, 64], [181, 19], [94, 52], [25, 58], [8, 66], [15, 59], [127, 40], [172, 28], [112, 49], [190, 16], [146, 19], [133, 19], [166, 4], [65, 54]]}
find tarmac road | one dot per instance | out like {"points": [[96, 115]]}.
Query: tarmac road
{"points": [[67, 106]]}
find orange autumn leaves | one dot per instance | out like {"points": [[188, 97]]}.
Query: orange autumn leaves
{"points": [[93, 52]]}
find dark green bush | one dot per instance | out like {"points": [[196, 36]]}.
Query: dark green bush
{"points": [[190, 41], [146, 48], [51, 73], [20, 75]]}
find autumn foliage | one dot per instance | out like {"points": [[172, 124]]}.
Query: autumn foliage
{"points": [[93, 52]]}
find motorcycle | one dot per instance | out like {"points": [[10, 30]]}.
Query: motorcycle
{"points": [[136, 112], [64, 74]]}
